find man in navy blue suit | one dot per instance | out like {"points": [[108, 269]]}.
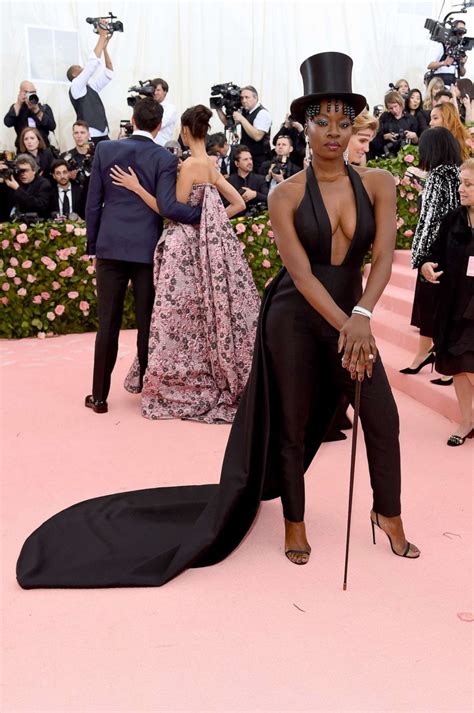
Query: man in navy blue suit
{"points": [[122, 235]]}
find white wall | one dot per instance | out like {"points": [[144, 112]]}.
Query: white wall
{"points": [[196, 43]]}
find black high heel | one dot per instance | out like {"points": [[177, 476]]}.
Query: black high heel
{"points": [[459, 440], [430, 359], [407, 548]]}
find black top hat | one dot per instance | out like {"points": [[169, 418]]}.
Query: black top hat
{"points": [[326, 75]]}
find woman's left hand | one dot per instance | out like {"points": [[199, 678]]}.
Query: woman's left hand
{"points": [[124, 179], [358, 343]]}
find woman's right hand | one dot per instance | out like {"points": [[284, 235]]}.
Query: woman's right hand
{"points": [[357, 343], [429, 273], [124, 179]]}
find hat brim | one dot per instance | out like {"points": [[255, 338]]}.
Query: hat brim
{"points": [[299, 106]]}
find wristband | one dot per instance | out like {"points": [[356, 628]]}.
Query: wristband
{"points": [[362, 311]]}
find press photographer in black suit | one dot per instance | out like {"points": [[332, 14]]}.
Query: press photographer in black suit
{"points": [[295, 131], [280, 167], [30, 192], [218, 145], [27, 111], [252, 187], [256, 123], [67, 196]]}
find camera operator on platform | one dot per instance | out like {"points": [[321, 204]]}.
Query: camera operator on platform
{"points": [[218, 145], [446, 67], [87, 82], [170, 113], [280, 167], [397, 127], [67, 197], [256, 123], [27, 111], [252, 187], [27, 191]]}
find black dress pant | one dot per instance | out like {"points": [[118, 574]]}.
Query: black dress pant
{"points": [[113, 277], [300, 363]]}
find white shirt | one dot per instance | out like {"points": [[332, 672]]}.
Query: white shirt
{"points": [[97, 76], [445, 69], [168, 123], [139, 132], [61, 198], [263, 120]]}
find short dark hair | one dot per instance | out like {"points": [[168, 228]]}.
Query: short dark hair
{"points": [[284, 136], [197, 119], [442, 93], [81, 122], [438, 147], [147, 114], [239, 150], [70, 73], [56, 164], [218, 139], [410, 94], [158, 81]]}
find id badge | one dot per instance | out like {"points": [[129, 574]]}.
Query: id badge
{"points": [[470, 266]]}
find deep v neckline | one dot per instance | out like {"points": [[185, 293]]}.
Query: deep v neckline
{"points": [[321, 214]]}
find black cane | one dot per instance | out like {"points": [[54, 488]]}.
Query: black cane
{"points": [[351, 480]]}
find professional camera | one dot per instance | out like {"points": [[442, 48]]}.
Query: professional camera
{"points": [[10, 168], [227, 98], [140, 90], [453, 40], [106, 23], [32, 97], [28, 218], [256, 210], [84, 169], [280, 165], [125, 129]]}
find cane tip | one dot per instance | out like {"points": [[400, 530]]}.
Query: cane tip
{"points": [[344, 586]]}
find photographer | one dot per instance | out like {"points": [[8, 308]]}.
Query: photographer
{"points": [[280, 167], [28, 192], [295, 131], [28, 112], [252, 187], [218, 146], [170, 113], [87, 82], [81, 137], [67, 197], [445, 66], [397, 127], [256, 123]]}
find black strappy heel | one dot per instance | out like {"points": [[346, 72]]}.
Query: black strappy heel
{"points": [[407, 548]]}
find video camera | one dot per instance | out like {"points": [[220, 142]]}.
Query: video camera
{"points": [[84, 169], [125, 129], [106, 23], [10, 168], [140, 90], [453, 40], [227, 98]]}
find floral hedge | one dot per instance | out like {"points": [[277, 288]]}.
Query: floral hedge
{"points": [[47, 282]]}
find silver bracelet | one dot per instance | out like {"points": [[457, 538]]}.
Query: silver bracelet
{"points": [[361, 310]]}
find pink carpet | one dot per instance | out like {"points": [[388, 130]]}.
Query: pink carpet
{"points": [[254, 633]]}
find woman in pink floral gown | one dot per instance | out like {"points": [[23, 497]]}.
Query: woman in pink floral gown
{"points": [[206, 303]]}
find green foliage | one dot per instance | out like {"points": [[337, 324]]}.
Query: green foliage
{"points": [[47, 282]]}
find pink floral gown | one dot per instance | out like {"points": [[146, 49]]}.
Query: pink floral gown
{"points": [[204, 319]]}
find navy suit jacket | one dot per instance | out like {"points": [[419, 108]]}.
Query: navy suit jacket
{"points": [[120, 226]]}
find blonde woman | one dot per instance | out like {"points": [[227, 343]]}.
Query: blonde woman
{"points": [[436, 85], [363, 131]]}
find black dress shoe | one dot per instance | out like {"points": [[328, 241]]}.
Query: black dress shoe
{"points": [[334, 435], [96, 405], [429, 360], [442, 382]]}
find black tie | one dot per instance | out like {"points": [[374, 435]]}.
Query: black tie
{"points": [[223, 166], [66, 206]]}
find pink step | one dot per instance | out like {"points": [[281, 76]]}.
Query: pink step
{"points": [[402, 276], [441, 399], [397, 299], [402, 257], [396, 329]]}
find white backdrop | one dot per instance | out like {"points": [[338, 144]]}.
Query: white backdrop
{"points": [[196, 43]]}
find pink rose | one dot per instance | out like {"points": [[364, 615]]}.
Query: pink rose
{"points": [[83, 305], [90, 269], [30, 278], [22, 238], [77, 231], [270, 233], [68, 272], [26, 264], [51, 316], [5, 244], [63, 254], [83, 231], [409, 158], [45, 295], [23, 227], [413, 210], [249, 239], [254, 228], [265, 251], [73, 295], [4, 300], [53, 233], [46, 260], [37, 243], [397, 180], [94, 281], [405, 182], [52, 266], [10, 272], [17, 246], [59, 309], [240, 228], [410, 196], [13, 231], [5, 287], [400, 222], [37, 300], [408, 233], [17, 281], [266, 263], [21, 292], [55, 285], [69, 228], [72, 250], [402, 194], [13, 261]]}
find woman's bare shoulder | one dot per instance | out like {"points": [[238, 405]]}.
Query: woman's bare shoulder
{"points": [[374, 175], [289, 191]]}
